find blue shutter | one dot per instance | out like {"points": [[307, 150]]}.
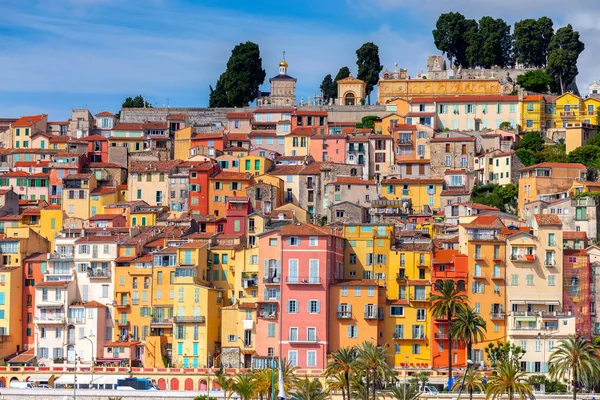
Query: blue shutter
{"points": [[349, 331]]}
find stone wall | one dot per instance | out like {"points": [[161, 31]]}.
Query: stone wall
{"points": [[212, 116], [438, 157], [353, 214]]}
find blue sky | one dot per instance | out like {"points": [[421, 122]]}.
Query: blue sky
{"points": [[61, 54]]}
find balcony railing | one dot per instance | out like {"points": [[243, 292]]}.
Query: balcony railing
{"points": [[189, 319], [122, 304], [418, 335], [371, 315], [49, 319], [60, 256], [248, 283], [76, 320], [161, 322], [549, 262], [440, 335], [484, 237], [523, 257], [303, 339], [267, 314], [303, 280], [122, 322], [497, 315], [344, 314], [99, 273], [478, 274], [275, 280]]}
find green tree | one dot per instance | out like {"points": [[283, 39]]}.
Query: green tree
{"points": [[586, 155], [554, 153], [328, 88], [446, 302], [371, 360], [240, 82], [473, 382], [397, 392], [505, 126], [449, 37], [576, 358], [342, 362], [508, 194], [563, 53], [472, 39], [532, 141], [469, 327], [504, 352], [137, 102], [531, 40], [243, 385], [309, 389], [369, 66], [225, 382], [343, 73], [507, 378], [537, 81], [496, 43], [526, 156]]}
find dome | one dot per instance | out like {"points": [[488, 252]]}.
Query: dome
{"points": [[283, 63]]}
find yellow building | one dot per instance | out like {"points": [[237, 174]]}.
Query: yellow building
{"points": [[17, 245], [396, 110], [76, 195], [572, 108], [533, 113], [182, 142], [51, 222], [238, 334], [407, 316], [367, 252], [297, 143], [419, 192], [351, 91], [146, 216], [23, 128], [482, 241], [255, 165], [196, 310], [101, 197], [222, 272]]}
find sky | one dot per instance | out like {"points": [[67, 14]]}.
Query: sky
{"points": [[56, 55]]}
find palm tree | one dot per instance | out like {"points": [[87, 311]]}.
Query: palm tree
{"points": [[225, 382], [309, 389], [473, 381], [397, 392], [342, 362], [469, 327], [576, 357], [290, 379], [447, 302], [507, 378], [336, 383], [243, 385], [371, 359], [262, 382]]}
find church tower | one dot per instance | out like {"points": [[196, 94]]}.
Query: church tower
{"points": [[283, 87]]}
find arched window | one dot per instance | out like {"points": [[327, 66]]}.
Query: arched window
{"points": [[161, 177], [349, 99]]}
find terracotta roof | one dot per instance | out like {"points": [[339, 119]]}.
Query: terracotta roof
{"points": [[121, 344], [302, 131], [302, 229], [231, 176], [140, 167], [124, 259], [484, 221], [478, 206], [105, 114], [247, 306], [508, 232], [207, 136], [94, 303], [238, 136], [78, 176], [454, 192], [14, 174], [466, 99], [347, 180], [29, 120], [193, 245], [256, 133], [98, 239], [178, 116], [23, 357], [95, 138], [235, 148], [53, 207], [202, 235], [38, 163], [420, 114], [554, 165], [443, 256], [573, 235], [140, 126], [104, 190], [413, 180], [239, 115], [99, 217], [547, 219], [52, 284], [407, 127]]}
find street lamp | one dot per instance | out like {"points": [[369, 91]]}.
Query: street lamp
{"points": [[92, 343], [242, 363], [469, 364], [405, 372]]}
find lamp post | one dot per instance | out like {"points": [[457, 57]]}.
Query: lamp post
{"points": [[75, 379], [469, 363], [273, 378], [241, 355], [92, 344], [405, 372]]}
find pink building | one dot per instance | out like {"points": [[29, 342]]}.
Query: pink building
{"points": [[328, 147], [311, 258], [236, 213], [27, 186]]}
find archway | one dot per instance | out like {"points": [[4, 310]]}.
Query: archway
{"points": [[349, 99], [202, 384], [174, 384], [162, 384], [2, 382], [189, 384]]}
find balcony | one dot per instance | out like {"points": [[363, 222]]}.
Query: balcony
{"points": [[371, 315], [49, 319], [478, 256], [71, 340], [550, 262], [161, 322], [418, 335], [497, 316], [497, 257], [121, 322], [189, 319], [275, 280], [303, 339], [45, 303], [99, 274], [305, 280], [122, 305], [498, 277], [523, 258], [76, 320], [267, 314], [248, 283], [401, 278], [419, 299], [344, 314], [483, 237], [523, 314], [440, 335], [60, 256]]}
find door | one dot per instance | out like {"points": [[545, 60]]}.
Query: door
{"points": [[293, 271], [314, 271], [70, 354]]}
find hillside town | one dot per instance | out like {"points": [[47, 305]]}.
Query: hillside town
{"points": [[174, 240]]}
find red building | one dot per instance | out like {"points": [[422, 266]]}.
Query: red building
{"points": [[61, 165], [215, 141], [237, 211], [310, 119], [447, 265], [35, 268], [97, 148], [199, 187]]}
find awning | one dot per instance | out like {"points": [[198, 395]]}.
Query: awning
{"points": [[526, 319], [548, 302], [69, 379], [107, 379], [40, 378]]}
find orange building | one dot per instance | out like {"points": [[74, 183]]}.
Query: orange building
{"points": [[453, 266], [224, 185], [354, 314]]}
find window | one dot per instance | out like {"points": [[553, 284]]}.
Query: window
{"points": [[416, 349], [352, 331], [311, 358], [292, 307], [314, 306], [313, 241], [356, 291], [294, 241], [344, 291], [529, 280], [293, 357], [371, 291], [551, 280], [397, 311], [421, 314]]}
